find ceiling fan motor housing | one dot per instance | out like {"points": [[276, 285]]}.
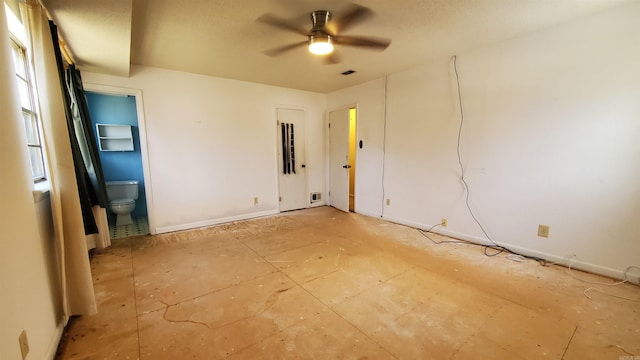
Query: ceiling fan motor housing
{"points": [[319, 19]]}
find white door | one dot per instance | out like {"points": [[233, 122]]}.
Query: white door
{"points": [[339, 159], [292, 178]]}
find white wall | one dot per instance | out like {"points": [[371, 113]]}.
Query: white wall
{"points": [[212, 144], [369, 100], [550, 137], [29, 288]]}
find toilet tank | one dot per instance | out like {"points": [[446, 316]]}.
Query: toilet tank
{"points": [[122, 189]]}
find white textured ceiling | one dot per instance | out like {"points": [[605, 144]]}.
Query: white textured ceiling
{"points": [[97, 33], [221, 37]]}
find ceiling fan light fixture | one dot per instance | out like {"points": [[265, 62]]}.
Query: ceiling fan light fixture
{"points": [[321, 44]]}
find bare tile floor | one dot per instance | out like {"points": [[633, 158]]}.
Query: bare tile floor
{"points": [[322, 284]]}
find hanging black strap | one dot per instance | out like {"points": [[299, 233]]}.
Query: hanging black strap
{"points": [[284, 149], [288, 152], [293, 152]]}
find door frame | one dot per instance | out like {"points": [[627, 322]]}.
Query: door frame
{"points": [[278, 144], [328, 148], [142, 130]]}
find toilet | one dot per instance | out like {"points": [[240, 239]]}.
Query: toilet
{"points": [[122, 199]]}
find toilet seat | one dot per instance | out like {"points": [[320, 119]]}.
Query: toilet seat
{"points": [[120, 202]]}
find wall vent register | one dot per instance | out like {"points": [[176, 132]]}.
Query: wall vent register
{"points": [[113, 137]]}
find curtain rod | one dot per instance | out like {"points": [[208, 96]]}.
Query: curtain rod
{"points": [[63, 50], [61, 43]]}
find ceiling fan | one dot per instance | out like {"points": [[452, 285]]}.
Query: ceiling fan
{"points": [[324, 33]]}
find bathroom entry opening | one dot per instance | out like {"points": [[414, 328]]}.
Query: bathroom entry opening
{"points": [[115, 119], [352, 158]]}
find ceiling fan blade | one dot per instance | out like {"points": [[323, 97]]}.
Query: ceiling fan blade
{"points": [[279, 23], [353, 15], [372, 43], [282, 49]]}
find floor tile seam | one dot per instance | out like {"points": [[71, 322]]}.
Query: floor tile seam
{"points": [[481, 289], [330, 308], [167, 306], [293, 249], [307, 280], [188, 241], [384, 326], [591, 328], [420, 302], [275, 334], [316, 277], [242, 235], [267, 261], [205, 294], [327, 308], [379, 283], [445, 276], [564, 352], [365, 334], [477, 330], [135, 299], [490, 315], [517, 303], [259, 313]]}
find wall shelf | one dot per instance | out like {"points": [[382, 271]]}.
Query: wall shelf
{"points": [[114, 137]]}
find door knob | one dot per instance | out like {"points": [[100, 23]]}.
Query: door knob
{"points": [[346, 166]]}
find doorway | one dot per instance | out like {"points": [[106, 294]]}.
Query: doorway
{"points": [[291, 143], [116, 107], [352, 159], [342, 158]]}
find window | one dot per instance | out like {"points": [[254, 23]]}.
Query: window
{"points": [[29, 112]]}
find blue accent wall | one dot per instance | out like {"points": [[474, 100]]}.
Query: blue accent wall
{"points": [[120, 165]]}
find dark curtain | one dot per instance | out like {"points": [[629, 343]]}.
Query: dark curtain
{"points": [[86, 136], [89, 176]]}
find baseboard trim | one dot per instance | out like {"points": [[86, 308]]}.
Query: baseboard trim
{"points": [[217, 221], [368, 214], [55, 341], [565, 260]]}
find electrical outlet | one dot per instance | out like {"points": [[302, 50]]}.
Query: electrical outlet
{"points": [[444, 222], [543, 231], [255, 200], [24, 344], [388, 202]]}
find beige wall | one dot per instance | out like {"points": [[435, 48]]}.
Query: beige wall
{"points": [[550, 137], [29, 284], [212, 144]]}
